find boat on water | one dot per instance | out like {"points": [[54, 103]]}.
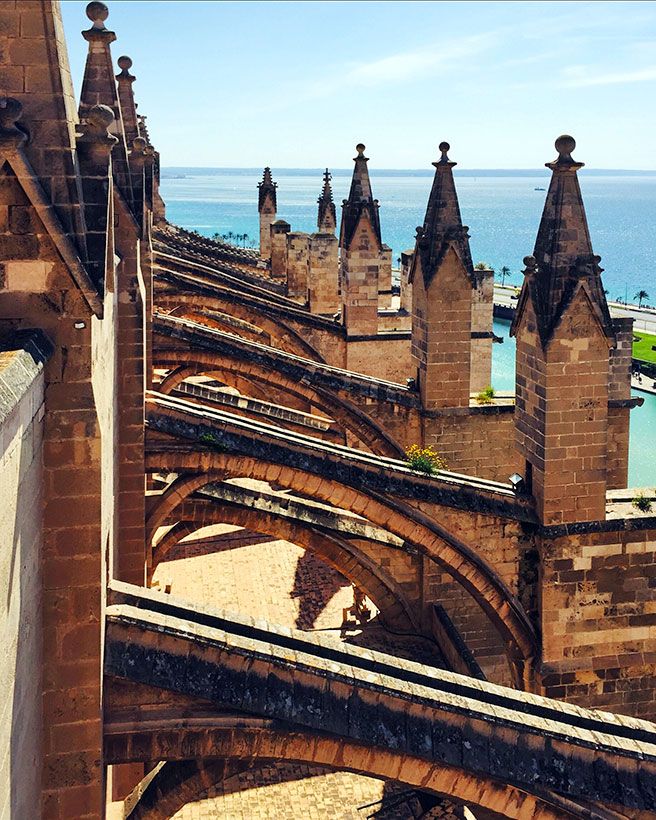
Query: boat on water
{"points": [[539, 189]]}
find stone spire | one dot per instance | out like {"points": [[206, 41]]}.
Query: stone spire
{"points": [[564, 333], [448, 301], [267, 204], [442, 224], [327, 216], [360, 201], [267, 190], [99, 88], [563, 257], [126, 99]]}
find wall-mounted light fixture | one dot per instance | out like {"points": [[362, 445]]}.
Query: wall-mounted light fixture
{"points": [[517, 482]]}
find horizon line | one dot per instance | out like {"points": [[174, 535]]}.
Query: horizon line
{"points": [[349, 170]]}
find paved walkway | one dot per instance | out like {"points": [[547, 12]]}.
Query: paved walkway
{"points": [[645, 384], [643, 318], [249, 573]]}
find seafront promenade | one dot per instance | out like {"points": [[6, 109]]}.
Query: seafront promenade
{"points": [[644, 319]]}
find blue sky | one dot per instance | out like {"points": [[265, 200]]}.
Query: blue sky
{"points": [[299, 84]]}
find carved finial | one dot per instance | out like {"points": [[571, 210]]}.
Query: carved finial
{"points": [[360, 148], [125, 64], [327, 176], [565, 145], [11, 110], [97, 13], [95, 136], [444, 159], [530, 264], [139, 146], [99, 118]]}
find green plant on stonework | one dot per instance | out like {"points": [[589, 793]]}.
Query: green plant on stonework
{"points": [[486, 395], [424, 459], [642, 503], [481, 266], [213, 439]]}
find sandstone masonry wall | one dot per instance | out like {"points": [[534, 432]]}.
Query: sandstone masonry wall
{"points": [[598, 620], [21, 539]]}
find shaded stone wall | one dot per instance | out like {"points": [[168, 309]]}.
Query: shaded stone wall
{"points": [[21, 539]]}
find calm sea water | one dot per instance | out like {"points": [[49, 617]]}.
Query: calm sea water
{"points": [[503, 214]]}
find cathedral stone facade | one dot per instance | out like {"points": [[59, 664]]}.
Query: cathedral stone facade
{"points": [[182, 421]]}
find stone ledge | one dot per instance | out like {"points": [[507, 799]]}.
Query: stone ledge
{"points": [[22, 358]]}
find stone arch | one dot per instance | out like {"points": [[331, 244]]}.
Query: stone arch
{"points": [[176, 492], [281, 334], [241, 744], [223, 322], [411, 525], [381, 588], [343, 411]]}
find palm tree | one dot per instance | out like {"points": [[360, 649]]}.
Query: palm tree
{"points": [[504, 272], [641, 295]]}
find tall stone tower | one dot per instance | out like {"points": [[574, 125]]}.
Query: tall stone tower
{"points": [[266, 205], [443, 281], [362, 253], [564, 333], [323, 274]]}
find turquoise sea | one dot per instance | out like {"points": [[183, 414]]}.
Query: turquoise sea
{"points": [[502, 210]]}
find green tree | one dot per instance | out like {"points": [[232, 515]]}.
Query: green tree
{"points": [[641, 295], [504, 273]]}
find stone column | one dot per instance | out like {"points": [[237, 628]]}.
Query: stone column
{"points": [[278, 245], [619, 404], [323, 284], [406, 285], [298, 260], [360, 265], [481, 330]]}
